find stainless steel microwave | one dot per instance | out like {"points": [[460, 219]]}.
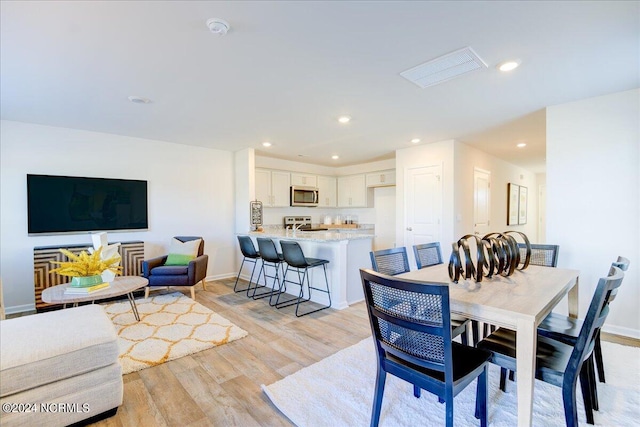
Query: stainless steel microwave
{"points": [[304, 196]]}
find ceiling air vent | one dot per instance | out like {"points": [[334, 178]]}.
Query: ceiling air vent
{"points": [[444, 68]]}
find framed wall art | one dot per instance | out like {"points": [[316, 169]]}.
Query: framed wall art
{"points": [[522, 205], [513, 196]]}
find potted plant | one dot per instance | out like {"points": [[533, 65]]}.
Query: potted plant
{"points": [[84, 269]]}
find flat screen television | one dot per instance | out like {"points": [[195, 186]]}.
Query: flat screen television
{"points": [[70, 204]]}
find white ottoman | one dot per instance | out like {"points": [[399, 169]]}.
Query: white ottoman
{"points": [[59, 368]]}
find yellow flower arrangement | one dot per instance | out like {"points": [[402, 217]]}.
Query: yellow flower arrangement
{"points": [[84, 265]]}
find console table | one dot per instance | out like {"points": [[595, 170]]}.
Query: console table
{"points": [[132, 254]]}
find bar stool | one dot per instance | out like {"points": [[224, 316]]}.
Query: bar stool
{"points": [[270, 258], [249, 255], [296, 260]]}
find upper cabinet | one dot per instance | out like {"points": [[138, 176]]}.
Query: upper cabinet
{"points": [[352, 191], [381, 179], [327, 192], [304, 180], [272, 187]]}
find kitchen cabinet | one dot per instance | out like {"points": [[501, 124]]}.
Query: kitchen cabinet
{"points": [[352, 191], [272, 187], [381, 179], [327, 192], [304, 180]]}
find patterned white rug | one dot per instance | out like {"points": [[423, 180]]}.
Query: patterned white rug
{"points": [[171, 326], [338, 391]]}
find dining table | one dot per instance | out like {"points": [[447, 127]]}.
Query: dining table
{"points": [[518, 302]]}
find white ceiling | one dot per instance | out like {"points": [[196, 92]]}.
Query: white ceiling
{"points": [[287, 70]]}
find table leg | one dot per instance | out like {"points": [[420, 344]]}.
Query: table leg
{"points": [[573, 300], [525, 369], [134, 307]]}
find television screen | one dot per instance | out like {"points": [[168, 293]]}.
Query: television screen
{"points": [[61, 204]]}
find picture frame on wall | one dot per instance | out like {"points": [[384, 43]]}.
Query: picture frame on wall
{"points": [[522, 205], [513, 196]]}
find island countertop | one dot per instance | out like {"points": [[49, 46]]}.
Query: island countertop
{"points": [[311, 236]]}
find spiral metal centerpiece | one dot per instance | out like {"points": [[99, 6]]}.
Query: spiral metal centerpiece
{"points": [[496, 253]]}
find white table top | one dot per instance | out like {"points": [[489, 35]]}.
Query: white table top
{"points": [[121, 285], [530, 293]]}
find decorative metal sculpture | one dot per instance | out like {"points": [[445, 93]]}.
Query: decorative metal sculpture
{"points": [[496, 253]]}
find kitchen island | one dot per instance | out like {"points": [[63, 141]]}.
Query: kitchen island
{"points": [[346, 252]]}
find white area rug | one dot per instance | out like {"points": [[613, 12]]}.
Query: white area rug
{"points": [[338, 391], [171, 326]]}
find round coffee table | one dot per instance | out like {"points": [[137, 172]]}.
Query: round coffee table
{"points": [[123, 285]]}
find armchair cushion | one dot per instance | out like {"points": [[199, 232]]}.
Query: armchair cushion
{"points": [[170, 270], [181, 253]]}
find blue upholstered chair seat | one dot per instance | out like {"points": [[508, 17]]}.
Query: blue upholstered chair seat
{"points": [[169, 270]]}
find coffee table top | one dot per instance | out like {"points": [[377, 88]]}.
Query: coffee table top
{"points": [[121, 285]]}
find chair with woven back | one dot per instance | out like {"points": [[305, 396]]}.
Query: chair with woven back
{"points": [[563, 364], [413, 342], [427, 254], [395, 261]]}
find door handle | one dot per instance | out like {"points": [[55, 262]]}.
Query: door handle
{"points": [[409, 229]]}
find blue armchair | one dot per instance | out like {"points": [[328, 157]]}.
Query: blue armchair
{"points": [[187, 274]]}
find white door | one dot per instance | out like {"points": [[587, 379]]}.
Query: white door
{"points": [[542, 214], [481, 202], [385, 203], [423, 206]]}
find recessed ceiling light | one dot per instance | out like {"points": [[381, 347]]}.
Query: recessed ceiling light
{"points": [[266, 144], [415, 140], [344, 119], [522, 144], [508, 65], [139, 100], [335, 157], [218, 26]]}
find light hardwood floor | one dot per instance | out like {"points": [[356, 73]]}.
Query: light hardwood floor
{"points": [[221, 386]]}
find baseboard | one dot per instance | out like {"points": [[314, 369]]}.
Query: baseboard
{"points": [[621, 331], [17, 309], [220, 277]]}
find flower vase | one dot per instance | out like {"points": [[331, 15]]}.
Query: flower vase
{"points": [[86, 281]]}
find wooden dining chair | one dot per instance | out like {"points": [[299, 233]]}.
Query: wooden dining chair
{"points": [[544, 256], [567, 329], [560, 364], [390, 261], [427, 254], [413, 342], [395, 261]]}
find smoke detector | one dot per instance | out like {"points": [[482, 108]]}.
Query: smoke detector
{"points": [[218, 26]]}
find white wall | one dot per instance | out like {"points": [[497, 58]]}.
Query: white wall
{"points": [[190, 192], [458, 162], [466, 159], [593, 196]]}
